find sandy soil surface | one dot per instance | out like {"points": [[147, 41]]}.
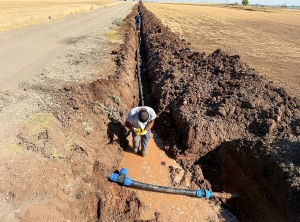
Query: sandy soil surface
{"points": [[156, 168]]}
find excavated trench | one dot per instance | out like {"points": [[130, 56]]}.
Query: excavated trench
{"points": [[225, 124], [216, 114]]}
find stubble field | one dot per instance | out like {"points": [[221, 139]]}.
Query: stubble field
{"points": [[267, 40], [15, 14]]}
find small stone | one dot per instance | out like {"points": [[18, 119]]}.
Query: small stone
{"points": [[222, 111]]}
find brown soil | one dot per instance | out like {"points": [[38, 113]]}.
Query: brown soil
{"points": [[217, 113], [105, 103], [229, 127], [55, 170]]}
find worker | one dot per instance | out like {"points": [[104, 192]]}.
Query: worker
{"points": [[138, 21], [140, 120]]}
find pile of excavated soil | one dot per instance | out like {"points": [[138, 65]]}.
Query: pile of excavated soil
{"points": [[216, 112]]}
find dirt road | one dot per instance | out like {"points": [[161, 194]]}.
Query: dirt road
{"points": [[25, 52]]}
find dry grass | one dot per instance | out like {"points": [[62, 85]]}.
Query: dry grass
{"points": [[266, 39], [15, 14]]}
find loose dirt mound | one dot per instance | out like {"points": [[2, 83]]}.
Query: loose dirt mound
{"points": [[217, 112]]}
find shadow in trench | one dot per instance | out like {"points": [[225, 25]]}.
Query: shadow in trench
{"points": [[117, 132], [242, 167]]}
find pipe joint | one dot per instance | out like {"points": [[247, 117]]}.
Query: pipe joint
{"points": [[123, 171], [207, 194], [127, 181], [121, 177], [199, 193], [113, 177]]}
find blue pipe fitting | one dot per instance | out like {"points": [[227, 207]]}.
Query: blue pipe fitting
{"points": [[199, 192], [127, 181], [123, 171], [207, 194], [121, 177], [113, 177]]}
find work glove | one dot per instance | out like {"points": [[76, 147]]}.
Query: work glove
{"points": [[140, 131], [143, 132], [137, 130]]}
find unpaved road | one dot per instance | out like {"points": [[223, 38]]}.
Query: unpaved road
{"points": [[25, 52]]}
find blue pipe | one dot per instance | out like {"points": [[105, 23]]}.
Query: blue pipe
{"points": [[123, 179]]}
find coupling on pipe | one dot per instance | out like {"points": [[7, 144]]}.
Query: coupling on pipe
{"points": [[123, 179]]}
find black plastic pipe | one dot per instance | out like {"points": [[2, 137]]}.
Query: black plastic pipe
{"points": [[123, 179], [163, 189], [138, 66]]}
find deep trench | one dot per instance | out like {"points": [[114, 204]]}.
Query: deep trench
{"points": [[145, 81], [236, 166], [264, 193]]}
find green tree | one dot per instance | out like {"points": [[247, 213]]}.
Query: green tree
{"points": [[245, 2]]}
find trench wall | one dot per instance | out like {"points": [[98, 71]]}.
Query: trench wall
{"points": [[216, 112]]}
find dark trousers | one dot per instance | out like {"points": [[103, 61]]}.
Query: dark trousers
{"points": [[137, 139]]}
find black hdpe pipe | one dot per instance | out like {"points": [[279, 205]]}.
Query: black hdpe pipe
{"points": [[123, 179], [138, 24]]}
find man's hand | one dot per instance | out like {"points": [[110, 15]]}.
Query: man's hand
{"points": [[140, 131], [143, 132], [137, 130]]}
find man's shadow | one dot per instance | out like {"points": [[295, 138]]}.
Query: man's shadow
{"points": [[117, 132]]}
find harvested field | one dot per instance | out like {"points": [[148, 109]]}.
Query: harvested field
{"points": [[39, 11], [266, 41]]}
